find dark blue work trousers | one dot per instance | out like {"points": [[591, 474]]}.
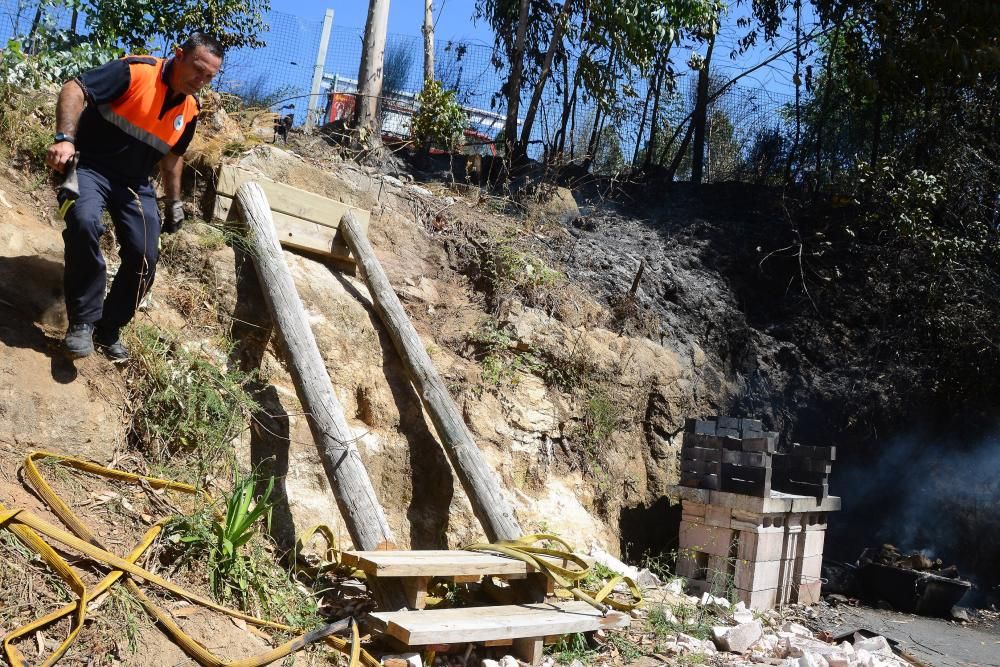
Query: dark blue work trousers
{"points": [[133, 211]]}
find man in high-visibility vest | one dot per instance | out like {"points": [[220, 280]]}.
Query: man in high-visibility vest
{"points": [[115, 123]]}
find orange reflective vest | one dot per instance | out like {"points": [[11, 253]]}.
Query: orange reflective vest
{"points": [[142, 111]]}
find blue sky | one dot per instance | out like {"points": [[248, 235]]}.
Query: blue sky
{"points": [[454, 17]]}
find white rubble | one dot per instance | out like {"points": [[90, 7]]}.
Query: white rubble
{"points": [[739, 638]]}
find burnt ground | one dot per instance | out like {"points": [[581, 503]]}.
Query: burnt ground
{"points": [[932, 641], [729, 274]]}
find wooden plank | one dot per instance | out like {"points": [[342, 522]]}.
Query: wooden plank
{"points": [[759, 489], [480, 482], [701, 454], [808, 477], [701, 467], [813, 452], [479, 624], [529, 649], [751, 459], [803, 489], [762, 444], [746, 473], [415, 589], [287, 199], [433, 563], [782, 462], [295, 232]]}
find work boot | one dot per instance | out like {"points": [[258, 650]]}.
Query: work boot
{"points": [[108, 342], [79, 341]]}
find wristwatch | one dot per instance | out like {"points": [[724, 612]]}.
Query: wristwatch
{"points": [[62, 136]]}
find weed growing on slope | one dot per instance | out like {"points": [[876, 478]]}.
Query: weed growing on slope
{"points": [[185, 409], [572, 647], [508, 273], [238, 557]]}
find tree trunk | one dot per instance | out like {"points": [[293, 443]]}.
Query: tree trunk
{"points": [[34, 29], [543, 76], [655, 120], [514, 153], [676, 162], [701, 117], [478, 479], [371, 68], [641, 131], [428, 31]]}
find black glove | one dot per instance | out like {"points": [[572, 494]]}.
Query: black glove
{"points": [[173, 216]]}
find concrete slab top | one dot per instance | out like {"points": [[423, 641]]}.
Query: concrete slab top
{"points": [[777, 503]]}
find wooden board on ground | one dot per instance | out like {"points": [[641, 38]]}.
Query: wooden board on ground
{"points": [[433, 563], [303, 220], [479, 624]]}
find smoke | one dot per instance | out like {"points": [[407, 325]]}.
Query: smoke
{"points": [[923, 493]]}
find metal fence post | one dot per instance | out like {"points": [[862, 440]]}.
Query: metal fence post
{"points": [[324, 42]]}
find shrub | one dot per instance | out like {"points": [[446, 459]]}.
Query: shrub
{"points": [[440, 120]]}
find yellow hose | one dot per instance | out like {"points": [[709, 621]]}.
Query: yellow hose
{"points": [[28, 529]]}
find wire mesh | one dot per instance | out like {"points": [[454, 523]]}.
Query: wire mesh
{"points": [[279, 75]]}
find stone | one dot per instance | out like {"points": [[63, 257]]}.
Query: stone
{"points": [[509, 661], [675, 586], [960, 614], [737, 639], [877, 644], [810, 660], [796, 629], [646, 579], [489, 663], [405, 660], [707, 600]]}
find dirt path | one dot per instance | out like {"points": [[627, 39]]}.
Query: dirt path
{"points": [[934, 641]]}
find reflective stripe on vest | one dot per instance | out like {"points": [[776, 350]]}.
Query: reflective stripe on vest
{"points": [[137, 111]]}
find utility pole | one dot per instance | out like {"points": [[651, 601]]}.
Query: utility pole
{"points": [[428, 31], [317, 80], [370, 71]]}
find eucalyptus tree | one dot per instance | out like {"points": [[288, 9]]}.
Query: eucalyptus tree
{"points": [[605, 43]]}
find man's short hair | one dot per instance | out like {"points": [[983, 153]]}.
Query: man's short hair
{"points": [[206, 41]]}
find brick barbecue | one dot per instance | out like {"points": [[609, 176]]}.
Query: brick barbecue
{"points": [[753, 519]]}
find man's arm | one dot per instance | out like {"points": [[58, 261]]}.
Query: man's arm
{"points": [[171, 168], [69, 107]]}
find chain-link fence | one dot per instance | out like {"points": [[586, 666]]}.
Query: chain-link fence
{"points": [[746, 126]]}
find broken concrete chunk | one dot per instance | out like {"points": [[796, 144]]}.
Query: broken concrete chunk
{"points": [[489, 663], [737, 639], [509, 661]]}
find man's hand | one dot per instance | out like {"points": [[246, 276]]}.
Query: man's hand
{"points": [[173, 216], [59, 154]]}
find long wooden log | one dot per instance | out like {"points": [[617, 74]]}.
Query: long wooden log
{"points": [[478, 479], [359, 506]]}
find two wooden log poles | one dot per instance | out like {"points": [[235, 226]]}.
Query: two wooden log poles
{"points": [[356, 498]]}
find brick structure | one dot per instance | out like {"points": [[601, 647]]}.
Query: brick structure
{"points": [[740, 536]]}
